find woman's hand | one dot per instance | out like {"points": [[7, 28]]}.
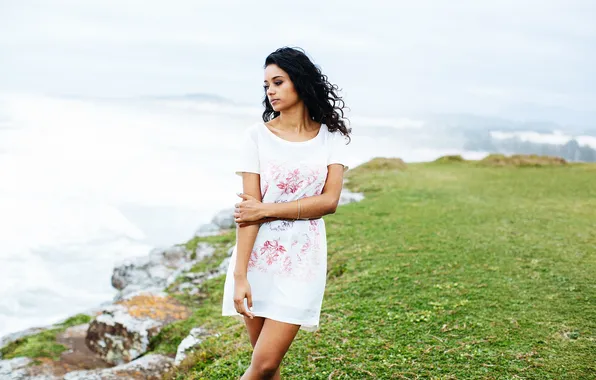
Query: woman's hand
{"points": [[242, 291], [260, 221], [249, 210]]}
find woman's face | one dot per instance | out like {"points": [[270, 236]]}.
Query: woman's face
{"points": [[279, 88]]}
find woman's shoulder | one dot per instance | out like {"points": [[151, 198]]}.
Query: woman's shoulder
{"points": [[252, 130], [254, 126], [332, 135]]}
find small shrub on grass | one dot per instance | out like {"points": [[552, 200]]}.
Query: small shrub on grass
{"points": [[522, 160], [382, 163], [451, 158]]}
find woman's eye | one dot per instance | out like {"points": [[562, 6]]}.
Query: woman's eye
{"points": [[276, 83]]}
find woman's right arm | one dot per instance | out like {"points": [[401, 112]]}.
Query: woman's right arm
{"points": [[246, 237]]}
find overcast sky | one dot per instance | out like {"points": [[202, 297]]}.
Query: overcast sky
{"points": [[511, 58]]}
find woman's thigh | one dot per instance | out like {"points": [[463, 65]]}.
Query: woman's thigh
{"points": [[273, 342], [254, 326]]}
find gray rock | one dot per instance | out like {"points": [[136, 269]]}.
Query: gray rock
{"points": [[203, 250], [158, 270], [188, 344], [223, 220], [208, 229], [20, 369], [151, 367], [121, 333], [195, 279], [14, 369], [117, 337], [347, 196], [223, 267], [184, 286]]}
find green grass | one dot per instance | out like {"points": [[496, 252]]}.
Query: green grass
{"points": [[43, 344], [444, 271]]}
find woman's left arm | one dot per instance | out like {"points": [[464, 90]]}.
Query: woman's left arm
{"points": [[311, 207]]}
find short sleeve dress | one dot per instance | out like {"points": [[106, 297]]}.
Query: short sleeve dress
{"points": [[288, 263]]}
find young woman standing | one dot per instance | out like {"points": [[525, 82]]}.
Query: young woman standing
{"points": [[292, 166]]}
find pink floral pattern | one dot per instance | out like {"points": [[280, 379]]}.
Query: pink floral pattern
{"points": [[264, 188], [253, 259], [290, 248], [292, 182], [272, 250]]}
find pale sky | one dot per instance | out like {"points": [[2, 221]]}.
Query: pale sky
{"points": [[517, 59]]}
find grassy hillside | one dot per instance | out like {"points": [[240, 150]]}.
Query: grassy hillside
{"points": [[446, 270]]}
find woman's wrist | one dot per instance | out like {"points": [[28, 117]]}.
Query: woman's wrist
{"points": [[266, 211]]}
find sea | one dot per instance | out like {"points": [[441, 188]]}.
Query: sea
{"points": [[88, 182]]}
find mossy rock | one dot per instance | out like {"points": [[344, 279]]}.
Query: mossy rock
{"points": [[42, 344]]}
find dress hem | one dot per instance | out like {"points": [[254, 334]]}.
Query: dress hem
{"points": [[309, 327]]}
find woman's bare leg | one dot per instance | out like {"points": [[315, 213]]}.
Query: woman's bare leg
{"points": [[254, 326], [272, 343]]}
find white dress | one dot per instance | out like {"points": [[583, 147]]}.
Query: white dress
{"points": [[288, 264]]}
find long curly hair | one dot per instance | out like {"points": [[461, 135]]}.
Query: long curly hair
{"points": [[313, 88]]}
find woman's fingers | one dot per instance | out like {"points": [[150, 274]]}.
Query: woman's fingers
{"points": [[249, 299], [242, 310], [244, 224]]}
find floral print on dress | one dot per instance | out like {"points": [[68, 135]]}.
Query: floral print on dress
{"points": [[290, 248], [281, 225], [264, 188], [300, 260], [269, 253], [292, 182], [272, 249], [253, 259]]}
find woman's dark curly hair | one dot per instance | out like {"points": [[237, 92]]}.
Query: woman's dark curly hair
{"points": [[313, 88]]}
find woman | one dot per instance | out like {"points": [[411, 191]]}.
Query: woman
{"points": [[292, 168]]}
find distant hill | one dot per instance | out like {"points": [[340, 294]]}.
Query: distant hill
{"points": [[203, 97], [571, 150]]}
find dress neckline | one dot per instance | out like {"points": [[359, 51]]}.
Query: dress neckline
{"points": [[293, 142]]}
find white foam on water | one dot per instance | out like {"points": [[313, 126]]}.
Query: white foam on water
{"points": [[85, 184]]}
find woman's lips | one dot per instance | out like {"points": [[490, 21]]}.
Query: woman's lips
{"points": [[274, 100]]}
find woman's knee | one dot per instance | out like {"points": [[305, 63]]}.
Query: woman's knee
{"points": [[265, 368]]}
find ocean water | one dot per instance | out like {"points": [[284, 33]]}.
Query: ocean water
{"points": [[87, 183]]}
